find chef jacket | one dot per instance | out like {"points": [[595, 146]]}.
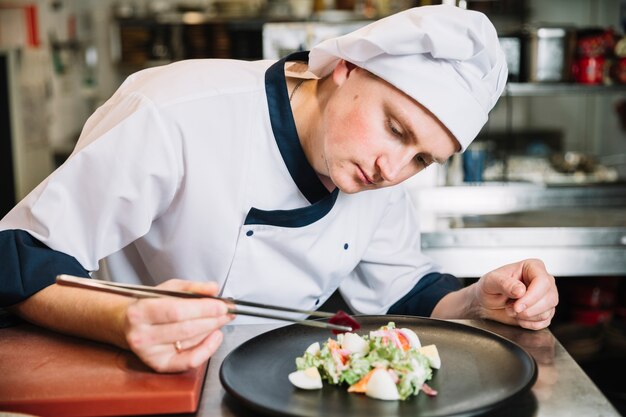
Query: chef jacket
{"points": [[194, 170]]}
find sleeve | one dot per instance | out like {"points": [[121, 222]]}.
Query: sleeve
{"points": [[29, 266], [393, 263], [425, 295], [123, 174]]}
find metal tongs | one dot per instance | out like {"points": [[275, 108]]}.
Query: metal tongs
{"points": [[144, 291]]}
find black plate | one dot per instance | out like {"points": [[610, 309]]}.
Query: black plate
{"points": [[480, 371]]}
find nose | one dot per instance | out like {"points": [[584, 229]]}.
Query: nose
{"points": [[392, 165]]}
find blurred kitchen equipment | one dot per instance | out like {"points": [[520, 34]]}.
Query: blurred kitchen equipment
{"points": [[547, 53], [594, 55], [589, 70], [283, 38], [301, 9], [512, 46], [570, 162], [474, 161]]}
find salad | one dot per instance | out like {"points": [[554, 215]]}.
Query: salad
{"points": [[387, 364]]}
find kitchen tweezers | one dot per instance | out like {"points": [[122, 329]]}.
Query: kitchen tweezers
{"points": [[144, 291]]}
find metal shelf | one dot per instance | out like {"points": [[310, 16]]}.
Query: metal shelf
{"points": [[549, 89], [575, 230]]}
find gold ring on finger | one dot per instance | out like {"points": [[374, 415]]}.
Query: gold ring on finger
{"points": [[178, 346]]}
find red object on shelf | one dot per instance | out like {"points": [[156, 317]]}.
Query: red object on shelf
{"points": [[32, 28], [49, 374], [589, 70]]}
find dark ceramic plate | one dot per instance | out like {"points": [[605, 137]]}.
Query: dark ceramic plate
{"points": [[480, 371]]}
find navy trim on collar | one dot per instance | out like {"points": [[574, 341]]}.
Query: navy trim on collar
{"points": [[299, 217], [284, 129]]}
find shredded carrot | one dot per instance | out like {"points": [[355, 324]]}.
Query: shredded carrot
{"points": [[404, 342], [361, 385]]}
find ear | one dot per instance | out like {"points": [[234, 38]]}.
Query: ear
{"points": [[342, 71]]}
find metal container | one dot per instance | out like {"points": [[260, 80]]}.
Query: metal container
{"points": [[547, 54]]}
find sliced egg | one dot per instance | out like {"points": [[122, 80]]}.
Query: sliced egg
{"points": [[381, 386], [355, 343], [309, 378], [432, 354], [313, 349], [410, 335]]}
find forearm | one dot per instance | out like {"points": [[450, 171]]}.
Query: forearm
{"points": [[78, 312], [461, 304]]}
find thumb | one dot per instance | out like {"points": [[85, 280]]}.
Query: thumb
{"points": [[517, 289], [504, 284]]}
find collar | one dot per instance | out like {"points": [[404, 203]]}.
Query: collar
{"points": [[285, 133]]}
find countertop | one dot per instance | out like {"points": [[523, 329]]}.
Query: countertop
{"points": [[561, 389]]}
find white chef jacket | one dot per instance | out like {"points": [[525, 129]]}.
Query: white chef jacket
{"points": [[194, 170]]}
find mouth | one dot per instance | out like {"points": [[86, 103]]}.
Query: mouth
{"points": [[364, 177]]}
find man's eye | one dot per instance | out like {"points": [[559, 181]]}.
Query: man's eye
{"points": [[420, 159], [397, 132]]}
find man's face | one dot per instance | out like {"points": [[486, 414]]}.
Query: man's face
{"points": [[376, 136]]}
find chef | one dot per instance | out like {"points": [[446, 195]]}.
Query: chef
{"points": [[276, 182]]}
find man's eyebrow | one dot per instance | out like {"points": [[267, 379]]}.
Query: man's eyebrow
{"points": [[413, 136]]}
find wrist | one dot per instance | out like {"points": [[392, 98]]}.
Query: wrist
{"points": [[474, 306], [461, 304], [118, 330]]}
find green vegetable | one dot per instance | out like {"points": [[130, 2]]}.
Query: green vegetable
{"points": [[337, 366]]}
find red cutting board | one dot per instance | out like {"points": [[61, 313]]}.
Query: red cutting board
{"points": [[49, 374]]}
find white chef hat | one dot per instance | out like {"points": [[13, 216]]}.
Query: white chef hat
{"points": [[447, 58]]}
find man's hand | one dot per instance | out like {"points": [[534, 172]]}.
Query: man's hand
{"points": [[175, 334], [523, 293], [149, 327]]}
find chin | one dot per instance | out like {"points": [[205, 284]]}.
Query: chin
{"points": [[351, 187], [351, 190]]}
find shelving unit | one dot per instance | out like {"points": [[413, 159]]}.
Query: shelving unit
{"points": [[551, 89]]}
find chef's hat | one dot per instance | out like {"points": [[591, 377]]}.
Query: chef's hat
{"points": [[447, 58]]}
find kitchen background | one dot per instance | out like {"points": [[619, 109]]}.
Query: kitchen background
{"points": [[546, 177]]}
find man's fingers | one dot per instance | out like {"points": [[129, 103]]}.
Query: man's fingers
{"points": [[535, 325], [190, 358], [188, 332], [504, 281], [541, 295], [172, 310], [534, 322], [546, 303]]}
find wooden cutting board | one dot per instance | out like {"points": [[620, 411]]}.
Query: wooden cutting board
{"points": [[49, 374]]}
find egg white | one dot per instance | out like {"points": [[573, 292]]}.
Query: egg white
{"points": [[432, 354], [313, 349], [381, 386], [355, 344], [309, 378]]}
